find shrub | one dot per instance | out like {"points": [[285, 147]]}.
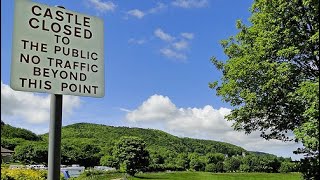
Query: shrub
{"points": [[24, 174], [244, 168], [287, 167], [211, 167]]}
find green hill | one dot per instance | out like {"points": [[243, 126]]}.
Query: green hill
{"points": [[8, 131], [13, 136], [86, 144], [105, 136]]}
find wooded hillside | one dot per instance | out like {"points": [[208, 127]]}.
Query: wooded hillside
{"points": [[93, 144]]}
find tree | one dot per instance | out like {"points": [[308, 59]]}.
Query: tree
{"points": [[214, 158], [69, 153], [232, 164], [89, 154], [157, 159], [197, 162], [286, 167], [271, 75], [110, 161], [182, 161], [32, 153], [210, 167], [308, 132], [9, 132], [12, 142], [244, 168], [132, 154], [250, 163], [77, 151], [274, 165]]}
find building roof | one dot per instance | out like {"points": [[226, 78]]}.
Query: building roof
{"points": [[4, 150]]}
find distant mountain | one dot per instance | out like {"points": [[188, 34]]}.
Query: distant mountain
{"points": [[8, 131], [87, 144], [156, 140], [261, 153], [104, 137]]}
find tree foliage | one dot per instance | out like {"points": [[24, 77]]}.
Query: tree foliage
{"points": [[287, 167], [109, 161], [8, 131], [132, 154], [32, 153], [214, 158], [232, 164], [271, 75], [91, 144], [11, 143]]}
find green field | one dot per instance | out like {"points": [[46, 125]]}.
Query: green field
{"points": [[202, 176]]}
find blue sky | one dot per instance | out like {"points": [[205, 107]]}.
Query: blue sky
{"points": [[157, 70]]}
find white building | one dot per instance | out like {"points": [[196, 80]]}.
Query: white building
{"points": [[74, 171], [104, 168]]}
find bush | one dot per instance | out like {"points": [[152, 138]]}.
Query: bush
{"points": [[110, 161], [91, 173], [244, 168], [156, 168], [287, 167], [232, 164], [24, 174], [211, 167], [219, 166]]}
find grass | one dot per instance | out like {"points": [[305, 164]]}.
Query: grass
{"points": [[104, 176], [199, 176], [218, 176]]}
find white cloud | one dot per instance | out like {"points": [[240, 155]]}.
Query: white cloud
{"points": [[125, 110], [206, 122], [190, 3], [102, 6], [181, 45], [137, 41], [162, 35], [136, 13], [30, 107], [158, 8], [156, 108], [187, 35], [142, 13], [173, 54], [176, 46]]}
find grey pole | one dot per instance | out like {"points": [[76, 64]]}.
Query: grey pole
{"points": [[54, 156]]}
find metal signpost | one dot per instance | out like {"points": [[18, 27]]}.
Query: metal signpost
{"points": [[56, 51], [54, 154]]}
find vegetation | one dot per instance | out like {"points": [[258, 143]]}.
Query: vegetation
{"points": [[217, 176], [132, 155], [27, 174], [148, 150], [32, 153], [195, 176], [164, 149], [24, 174], [8, 131], [12, 136], [271, 75], [99, 175]]}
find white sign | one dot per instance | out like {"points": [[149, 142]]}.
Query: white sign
{"points": [[56, 51]]}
